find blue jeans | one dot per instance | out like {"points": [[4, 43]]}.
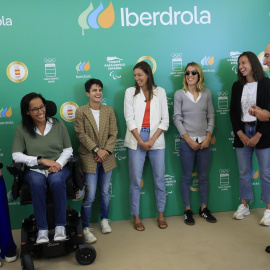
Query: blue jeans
{"points": [[187, 158], [6, 240], [244, 157], [38, 186], [136, 163], [91, 180]]}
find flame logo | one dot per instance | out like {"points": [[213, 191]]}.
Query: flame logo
{"points": [[213, 140], [142, 183], [83, 66], [206, 61], [5, 112], [255, 175], [96, 18]]}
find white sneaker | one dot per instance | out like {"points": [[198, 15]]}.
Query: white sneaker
{"points": [[60, 233], [42, 237], [88, 236], [241, 212], [265, 221], [105, 227]]}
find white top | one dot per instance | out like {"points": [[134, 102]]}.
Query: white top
{"points": [[191, 97], [96, 116], [30, 161], [249, 97], [134, 109]]}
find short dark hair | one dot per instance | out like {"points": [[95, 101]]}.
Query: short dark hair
{"points": [[145, 67], [258, 73], [27, 121], [90, 82]]}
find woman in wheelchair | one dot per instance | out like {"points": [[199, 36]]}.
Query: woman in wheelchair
{"points": [[42, 143]]}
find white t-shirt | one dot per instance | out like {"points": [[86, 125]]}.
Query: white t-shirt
{"points": [[249, 97], [96, 116]]}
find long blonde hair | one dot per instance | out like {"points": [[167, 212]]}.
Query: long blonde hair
{"points": [[200, 83]]}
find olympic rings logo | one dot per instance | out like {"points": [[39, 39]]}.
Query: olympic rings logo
{"points": [[49, 60], [223, 94], [176, 54], [224, 170]]}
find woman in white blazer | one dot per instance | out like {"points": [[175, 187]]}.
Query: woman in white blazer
{"points": [[147, 117]]}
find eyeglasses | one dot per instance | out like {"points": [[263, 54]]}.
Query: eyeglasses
{"points": [[193, 72], [35, 111]]}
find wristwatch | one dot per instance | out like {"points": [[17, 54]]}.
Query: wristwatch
{"points": [[39, 159], [96, 149]]}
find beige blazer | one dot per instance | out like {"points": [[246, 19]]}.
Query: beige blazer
{"points": [[89, 137]]}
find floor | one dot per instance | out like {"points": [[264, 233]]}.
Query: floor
{"points": [[227, 244]]}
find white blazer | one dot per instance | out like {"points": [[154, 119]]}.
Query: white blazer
{"points": [[134, 109]]}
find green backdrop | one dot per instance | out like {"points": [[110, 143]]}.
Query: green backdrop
{"points": [[53, 47]]}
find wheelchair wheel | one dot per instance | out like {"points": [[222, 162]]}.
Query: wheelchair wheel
{"points": [[85, 254], [27, 262]]}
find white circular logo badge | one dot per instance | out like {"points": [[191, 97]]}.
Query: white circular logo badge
{"points": [[67, 111], [261, 57], [17, 71]]}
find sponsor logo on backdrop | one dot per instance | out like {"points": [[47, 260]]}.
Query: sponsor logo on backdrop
{"points": [[194, 182], [176, 144], [5, 21], [67, 111], [234, 60], [207, 61], [112, 195], [114, 65], [82, 67], [50, 70], [168, 17], [96, 17], [17, 71], [150, 60], [223, 103], [120, 150], [170, 102], [104, 101], [224, 179], [1, 154], [169, 183], [142, 191], [213, 141], [261, 58], [5, 112], [100, 17], [231, 138], [254, 176], [177, 64]]}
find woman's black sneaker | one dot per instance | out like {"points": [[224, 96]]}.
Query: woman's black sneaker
{"points": [[189, 220], [205, 213]]}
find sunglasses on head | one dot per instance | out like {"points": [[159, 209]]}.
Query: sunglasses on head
{"points": [[193, 72]]}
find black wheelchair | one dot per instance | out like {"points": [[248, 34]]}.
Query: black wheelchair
{"points": [[85, 254]]}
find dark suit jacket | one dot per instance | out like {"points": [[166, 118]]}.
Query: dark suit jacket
{"points": [[263, 101], [89, 137]]}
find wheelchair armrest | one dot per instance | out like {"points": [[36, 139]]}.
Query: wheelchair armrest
{"points": [[73, 160], [15, 168], [77, 175]]}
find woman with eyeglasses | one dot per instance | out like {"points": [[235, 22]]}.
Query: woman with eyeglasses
{"points": [[147, 117], [250, 134], [194, 118], [42, 143]]}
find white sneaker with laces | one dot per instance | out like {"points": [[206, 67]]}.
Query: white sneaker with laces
{"points": [[105, 227], [265, 221], [88, 236], [60, 233], [241, 212], [42, 237]]}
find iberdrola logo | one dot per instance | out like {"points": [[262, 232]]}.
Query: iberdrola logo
{"points": [[96, 18]]}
